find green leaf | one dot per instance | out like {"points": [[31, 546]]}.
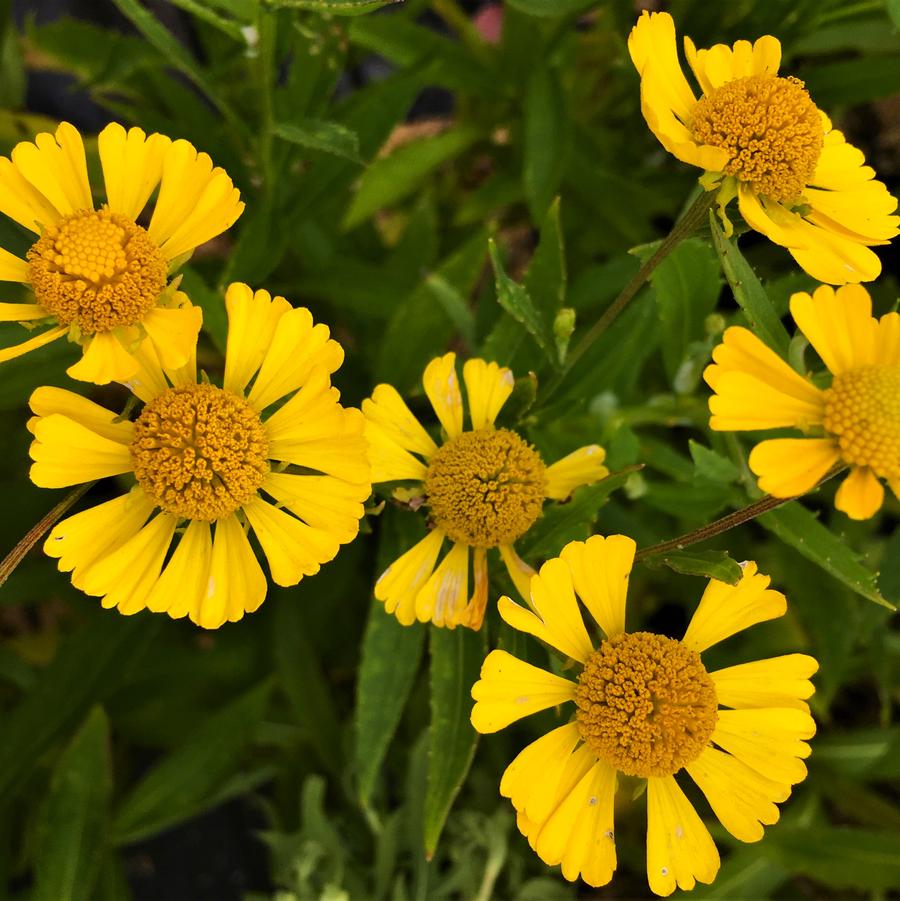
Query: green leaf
{"points": [[551, 8], [686, 285], [88, 668], [749, 292], [184, 782], [711, 466], [711, 564], [746, 874], [72, 825], [863, 753], [838, 856], [799, 528], [394, 177], [562, 522], [546, 139], [321, 134], [456, 658], [515, 299], [336, 7], [545, 280], [391, 655], [454, 305]]}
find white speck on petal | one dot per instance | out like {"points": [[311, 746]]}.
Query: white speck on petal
{"points": [[522, 699], [210, 586], [679, 832]]}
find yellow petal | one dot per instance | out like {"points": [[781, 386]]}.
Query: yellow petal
{"points": [[390, 462], [579, 833], [17, 350], [770, 741], [22, 202], [557, 619], [399, 584], [149, 379], [533, 778], [94, 533], [387, 409], [14, 269], [581, 467], [252, 319], [47, 401], [22, 312], [838, 324], [726, 609], [772, 220], [887, 341], [323, 502], [56, 166], [519, 571], [509, 689], [861, 494], [841, 165], [775, 682], [125, 577], [196, 202], [236, 581], [790, 466], [67, 453], [105, 360], [600, 568], [132, 167], [442, 387], [443, 597], [862, 212], [472, 616], [488, 387], [293, 549], [174, 333], [680, 850], [742, 799], [183, 582], [298, 347]]}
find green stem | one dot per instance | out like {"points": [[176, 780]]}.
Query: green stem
{"points": [[15, 556], [695, 216]]}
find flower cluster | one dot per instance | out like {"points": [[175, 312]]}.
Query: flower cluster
{"points": [[266, 462]]}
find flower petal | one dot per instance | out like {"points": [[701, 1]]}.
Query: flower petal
{"points": [[726, 609], [775, 682], [742, 799], [174, 333], [519, 571], [104, 360], [788, 467], [473, 615], [680, 850], [196, 202], [14, 269], [442, 387], [887, 341], [182, 585], [17, 350], [488, 387], [387, 409], [390, 462], [770, 740], [132, 167], [600, 568], [861, 494], [509, 689], [556, 618], [399, 584], [66, 453], [22, 202], [442, 598], [582, 467], [47, 401]]}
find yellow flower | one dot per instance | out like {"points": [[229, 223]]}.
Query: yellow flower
{"points": [[97, 275], [646, 707], [202, 458], [484, 488], [760, 138], [855, 421]]}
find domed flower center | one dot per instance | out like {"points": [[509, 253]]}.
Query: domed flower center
{"points": [[646, 704], [862, 409], [771, 129], [485, 488], [199, 451], [97, 270]]}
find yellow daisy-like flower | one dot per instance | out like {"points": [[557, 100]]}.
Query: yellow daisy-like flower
{"points": [[645, 707], [760, 138], [855, 421], [97, 275], [484, 488], [203, 458]]}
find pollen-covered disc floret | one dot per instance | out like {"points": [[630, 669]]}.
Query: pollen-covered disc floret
{"points": [[199, 451], [97, 270], [646, 704], [862, 409], [770, 127], [485, 488]]}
